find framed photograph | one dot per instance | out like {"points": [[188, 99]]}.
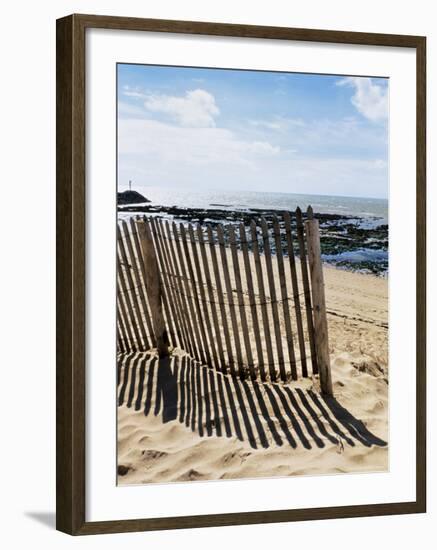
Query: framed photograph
{"points": [[240, 274]]}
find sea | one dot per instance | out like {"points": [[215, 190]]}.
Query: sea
{"points": [[369, 209]]}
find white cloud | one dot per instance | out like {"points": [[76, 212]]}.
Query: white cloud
{"points": [[278, 123], [156, 153], [151, 139], [196, 109], [126, 110], [271, 125], [370, 99], [136, 93]]}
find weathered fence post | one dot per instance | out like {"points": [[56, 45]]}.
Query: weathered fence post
{"points": [[153, 285], [319, 306]]}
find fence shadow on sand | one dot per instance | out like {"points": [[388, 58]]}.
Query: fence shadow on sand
{"points": [[212, 404]]}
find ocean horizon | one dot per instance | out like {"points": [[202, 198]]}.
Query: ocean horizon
{"points": [[361, 207]]}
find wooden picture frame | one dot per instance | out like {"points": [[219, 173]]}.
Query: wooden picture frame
{"points": [[71, 247]]}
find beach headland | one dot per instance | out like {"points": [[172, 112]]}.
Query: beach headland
{"points": [[130, 197]]}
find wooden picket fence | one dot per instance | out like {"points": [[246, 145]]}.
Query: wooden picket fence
{"points": [[235, 298]]}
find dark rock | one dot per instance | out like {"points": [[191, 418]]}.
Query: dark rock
{"points": [[130, 197]]}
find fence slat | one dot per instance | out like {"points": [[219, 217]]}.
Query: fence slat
{"points": [[121, 335], [284, 298], [184, 299], [253, 310], [262, 297], [120, 340], [201, 286], [167, 299], [125, 291], [220, 297], [319, 307], [124, 315], [153, 285], [236, 333], [212, 300], [195, 294], [273, 298], [169, 278], [296, 298], [137, 282], [122, 327], [307, 292], [132, 290], [240, 296], [140, 261], [188, 295]]}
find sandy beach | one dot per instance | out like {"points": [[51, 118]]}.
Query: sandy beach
{"points": [[180, 421]]}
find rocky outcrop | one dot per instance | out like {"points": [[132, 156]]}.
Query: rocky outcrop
{"points": [[130, 197]]}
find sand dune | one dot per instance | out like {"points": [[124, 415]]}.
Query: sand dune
{"points": [[180, 421]]}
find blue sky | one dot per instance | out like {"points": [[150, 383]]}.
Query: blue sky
{"points": [[250, 130]]}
